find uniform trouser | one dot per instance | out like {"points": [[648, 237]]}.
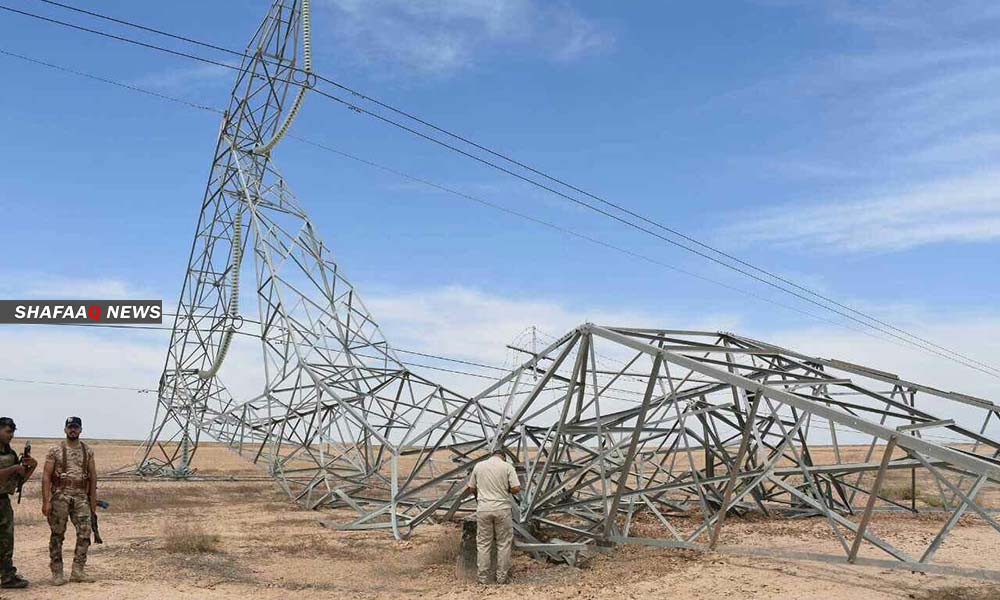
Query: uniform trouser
{"points": [[76, 508], [7, 569], [493, 528]]}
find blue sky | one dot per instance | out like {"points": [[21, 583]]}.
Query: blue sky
{"points": [[849, 146]]}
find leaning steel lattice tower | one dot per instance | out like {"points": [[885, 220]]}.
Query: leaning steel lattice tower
{"points": [[189, 387], [337, 403]]}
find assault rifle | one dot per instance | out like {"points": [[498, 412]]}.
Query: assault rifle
{"points": [[26, 454], [93, 522]]}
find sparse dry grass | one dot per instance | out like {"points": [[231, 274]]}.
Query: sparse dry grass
{"points": [[903, 492], [188, 538], [986, 592], [156, 496], [25, 519], [932, 500], [256, 543], [308, 545], [442, 550], [900, 491], [153, 497]]}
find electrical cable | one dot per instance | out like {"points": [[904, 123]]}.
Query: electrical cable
{"points": [[71, 384], [536, 171], [521, 215], [881, 325]]}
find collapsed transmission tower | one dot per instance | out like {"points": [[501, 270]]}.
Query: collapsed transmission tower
{"points": [[608, 426], [337, 404]]}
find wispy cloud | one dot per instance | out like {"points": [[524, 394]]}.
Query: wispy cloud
{"points": [[962, 209], [974, 335], [76, 355], [184, 78], [456, 321], [973, 148], [36, 285], [472, 323], [438, 38], [910, 132], [925, 17]]}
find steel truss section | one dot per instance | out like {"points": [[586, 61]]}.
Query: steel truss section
{"points": [[688, 428], [208, 308], [620, 435]]}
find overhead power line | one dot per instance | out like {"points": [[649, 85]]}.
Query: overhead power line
{"points": [[119, 38], [72, 384], [110, 81], [698, 248], [141, 27], [565, 184], [463, 195], [448, 190]]}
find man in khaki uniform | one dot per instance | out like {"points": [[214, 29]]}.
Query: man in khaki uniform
{"points": [[69, 492], [492, 482], [12, 472]]}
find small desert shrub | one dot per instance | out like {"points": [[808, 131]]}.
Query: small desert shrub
{"points": [[187, 538], [150, 497], [441, 551], [24, 519], [309, 545], [962, 593], [900, 491], [933, 500]]}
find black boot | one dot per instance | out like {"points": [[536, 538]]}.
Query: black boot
{"points": [[14, 582]]}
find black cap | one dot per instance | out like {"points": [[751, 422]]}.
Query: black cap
{"points": [[74, 421], [8, 422]]}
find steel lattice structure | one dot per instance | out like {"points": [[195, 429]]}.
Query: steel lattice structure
{"points": [[607, 425]]}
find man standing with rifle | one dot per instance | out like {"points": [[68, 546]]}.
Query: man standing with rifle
{"points": [[25, 458], [69, 492], [14, 472]]}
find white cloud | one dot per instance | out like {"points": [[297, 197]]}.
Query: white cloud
{"points": [[962, 209], [102, 357], [433, 37], [452, 321], [34, 285], [184, 78], [976, 337], [576, 37], [74, 355], [909, 131], [472, 324], [468, 323], [975, 147], [922, 18]]}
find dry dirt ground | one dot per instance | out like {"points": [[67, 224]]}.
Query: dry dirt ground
{"points": [[226, 539]]}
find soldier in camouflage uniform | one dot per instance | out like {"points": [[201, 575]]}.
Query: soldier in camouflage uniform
{"points": [[69, 492], [12, 472]]}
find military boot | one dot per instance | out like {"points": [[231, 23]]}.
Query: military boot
{"points": [[58, 578], [80, 576], [14, 582]]}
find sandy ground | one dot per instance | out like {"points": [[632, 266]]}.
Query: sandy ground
{"points": [[220, 539]]}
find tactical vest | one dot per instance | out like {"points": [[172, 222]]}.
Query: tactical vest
{"points": [[9, 460], [61, 480]]}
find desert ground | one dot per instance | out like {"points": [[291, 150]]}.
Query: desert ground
{"points": [[245, 539]]}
